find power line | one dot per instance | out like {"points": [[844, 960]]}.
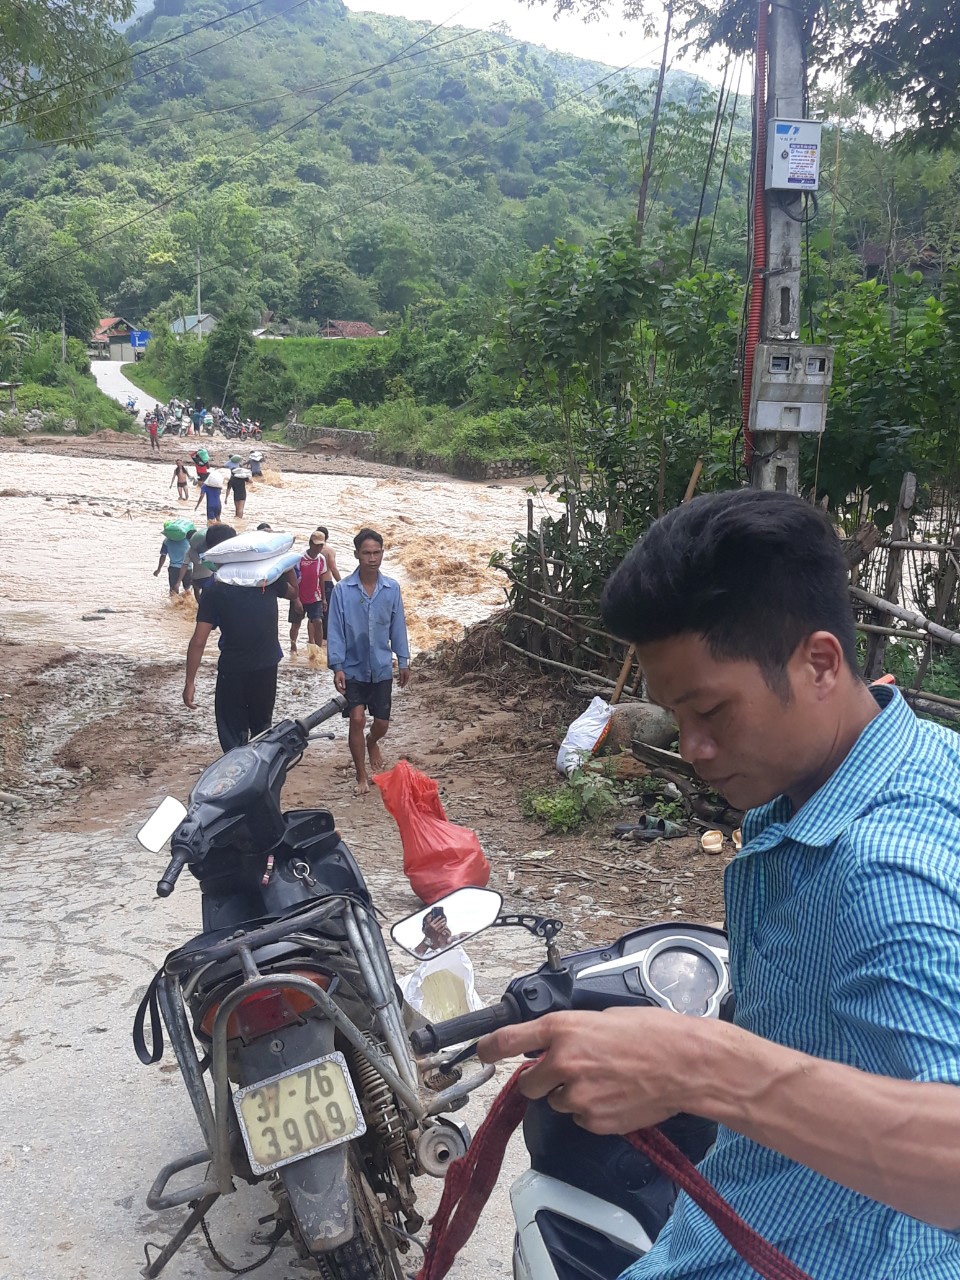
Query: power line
{"points": [[346, 211], [187, 57], [129, 57], [176, 195], [504, 134], [125, 130]]}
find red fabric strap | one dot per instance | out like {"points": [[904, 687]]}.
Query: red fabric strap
{"points": [[471, 1179]]}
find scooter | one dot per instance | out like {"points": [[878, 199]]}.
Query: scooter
{"points": [[286, 1009], [589, 1206], [131, 407]]}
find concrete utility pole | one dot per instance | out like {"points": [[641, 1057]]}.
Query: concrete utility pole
{"points": [[790, 380], [199, 328]]}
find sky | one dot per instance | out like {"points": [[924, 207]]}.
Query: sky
{"points": [[610, 40]]}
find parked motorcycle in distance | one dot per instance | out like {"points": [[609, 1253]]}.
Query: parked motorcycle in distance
{"points": [[590, 1205], [287, 1008], [131, 407]]}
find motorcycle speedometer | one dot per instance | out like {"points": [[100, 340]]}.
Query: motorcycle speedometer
{"points": [[224, 774]]}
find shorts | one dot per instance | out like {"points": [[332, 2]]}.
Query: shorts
{"points": [[375, 695], [200, 585], [313, 610], [173, 576], [293, 616], [214, 509]]}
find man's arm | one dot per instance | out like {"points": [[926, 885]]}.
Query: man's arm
{"points": [[292, 591], [337, 639], [201, 498], [896, 1141], [194, 653], [156, 572], [399, 642], [331, 557]]}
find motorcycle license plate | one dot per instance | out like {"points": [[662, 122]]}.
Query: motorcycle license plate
{"points": [[298, 1113]]}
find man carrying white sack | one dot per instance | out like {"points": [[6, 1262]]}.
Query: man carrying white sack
{"points": [[249, 649]]}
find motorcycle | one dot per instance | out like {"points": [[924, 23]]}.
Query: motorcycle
{"points": [[131, 407], [287, 1007], [254, 430], [590, 1205]]}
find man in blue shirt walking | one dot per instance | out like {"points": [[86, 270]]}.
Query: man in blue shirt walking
{"points": [[835, 1087], [365, 629]]}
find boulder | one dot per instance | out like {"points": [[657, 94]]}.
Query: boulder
{"points": [[639, 721]]}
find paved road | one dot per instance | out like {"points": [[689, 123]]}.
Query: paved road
{"points": [[112, 382]]}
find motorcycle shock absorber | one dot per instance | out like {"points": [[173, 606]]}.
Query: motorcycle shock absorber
{"points": [[380, 1109]]}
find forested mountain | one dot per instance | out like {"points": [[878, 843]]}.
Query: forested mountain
{"points": [[320, 163]]}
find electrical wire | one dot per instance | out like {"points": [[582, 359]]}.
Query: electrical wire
{"points": [[714, 138], [345, 211], [126, 130], [139, 53], [247, 155], [174, 62], [723, 167]]}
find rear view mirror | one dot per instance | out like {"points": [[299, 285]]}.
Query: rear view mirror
{"points": [[447, 923], [161, 824]]}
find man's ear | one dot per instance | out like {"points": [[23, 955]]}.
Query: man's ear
{"points": [[822, 661]]}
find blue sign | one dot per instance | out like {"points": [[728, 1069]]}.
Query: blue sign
{"points": [[139, 338]]}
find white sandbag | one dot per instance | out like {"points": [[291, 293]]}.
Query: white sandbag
{"points": [[259, 544], [241, 473], [256, 573], [584, 736], [215, 479], [442, 988]]}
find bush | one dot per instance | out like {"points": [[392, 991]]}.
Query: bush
{"points": [[586, 796], [77, 404]]}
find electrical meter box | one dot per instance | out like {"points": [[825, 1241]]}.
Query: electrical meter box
{"points": [[793, 155], [791, 382]]}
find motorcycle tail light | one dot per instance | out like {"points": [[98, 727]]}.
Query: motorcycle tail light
{"points": [[264, 1011]]}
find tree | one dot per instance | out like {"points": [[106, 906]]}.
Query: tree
{"points": [[331, 291], [57, 60], [46, 288], [13, 339], [224, 354]]}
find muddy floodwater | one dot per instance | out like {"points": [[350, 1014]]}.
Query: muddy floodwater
{"points": [[80, 535]]}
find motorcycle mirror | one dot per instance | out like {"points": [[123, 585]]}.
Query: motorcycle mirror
{"points": [[161, 824], [447, 922]]}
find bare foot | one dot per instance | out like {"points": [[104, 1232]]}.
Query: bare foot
{"points": [[293, 649], [361, 787], [373, 751]]}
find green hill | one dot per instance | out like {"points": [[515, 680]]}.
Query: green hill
{"points": [[320, 163]]}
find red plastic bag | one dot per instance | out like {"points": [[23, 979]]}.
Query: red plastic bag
{"points": [[438, 856]]}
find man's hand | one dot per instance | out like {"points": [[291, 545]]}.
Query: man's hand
{"points": [[156, 573], [340, 682], [189, 695], [614, 1072], [403, 677], [298, 608]]}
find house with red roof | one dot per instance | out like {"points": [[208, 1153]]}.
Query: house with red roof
{"points": [[348, 329], [111, 340]]}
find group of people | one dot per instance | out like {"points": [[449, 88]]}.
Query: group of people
{"points": [[361, 618]]}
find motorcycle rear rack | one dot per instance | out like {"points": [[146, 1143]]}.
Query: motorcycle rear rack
{"points": [[213, 1118]]}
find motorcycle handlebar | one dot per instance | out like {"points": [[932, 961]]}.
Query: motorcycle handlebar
{"points": [[334, 707], [469, 1026], [167, 882]]}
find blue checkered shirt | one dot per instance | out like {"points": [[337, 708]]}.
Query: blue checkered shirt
{"points": [[844, 923]]}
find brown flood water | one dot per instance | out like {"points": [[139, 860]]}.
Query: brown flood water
{"points": [[80, 534]]}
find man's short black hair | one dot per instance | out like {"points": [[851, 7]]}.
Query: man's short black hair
{"points": [[322, 528], [218, 533], [364, 535], [261, 528], [754, 572]]}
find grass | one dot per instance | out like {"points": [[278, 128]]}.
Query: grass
{"points": [[147, 382]]}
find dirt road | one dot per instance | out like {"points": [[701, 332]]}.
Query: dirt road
{"points": [[112, 383]]}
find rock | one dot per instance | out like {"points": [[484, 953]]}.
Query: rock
{"points": [[642, 721], [14, 802], [92, 617]]}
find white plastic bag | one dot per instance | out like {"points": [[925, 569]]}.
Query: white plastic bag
{"points": [[255, 573], [584, 736], [443, 987], [259, 544]]}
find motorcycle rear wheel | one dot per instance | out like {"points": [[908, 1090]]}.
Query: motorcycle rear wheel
{"points": [[370, 1255]]}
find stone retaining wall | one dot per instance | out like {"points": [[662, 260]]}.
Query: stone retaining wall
{"points": [[363, 444]]}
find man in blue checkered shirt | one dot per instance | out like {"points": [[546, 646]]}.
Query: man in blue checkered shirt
{"points": [[835, 1087]]}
